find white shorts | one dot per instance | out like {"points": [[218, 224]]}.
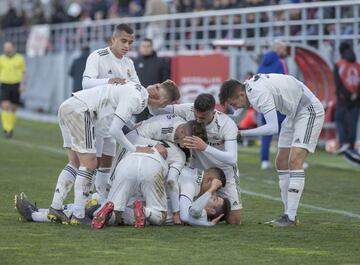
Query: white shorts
{"points": [[105, 146], [304, 129], [77, 126], [139, 176], [231, 190]]}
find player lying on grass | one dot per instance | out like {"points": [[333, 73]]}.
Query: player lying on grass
{"points": [[268, 93], [219, 151], [101, 110]]}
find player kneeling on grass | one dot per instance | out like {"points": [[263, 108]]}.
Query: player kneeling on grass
{"points": [[198, 204], [138, 175], [99, 111], [268, 93]]}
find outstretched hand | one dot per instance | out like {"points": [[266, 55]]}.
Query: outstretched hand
{"points": [[217, 219]]}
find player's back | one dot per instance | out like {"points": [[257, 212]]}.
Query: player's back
{"points": [[104, 99]]}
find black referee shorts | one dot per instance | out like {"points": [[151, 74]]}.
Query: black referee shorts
{"points": [[10, 92]]}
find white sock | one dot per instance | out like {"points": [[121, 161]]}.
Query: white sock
{"points": [[64, 184], [82, 190], [296, 186], [284, 179], [40, 216], [102, 182]]}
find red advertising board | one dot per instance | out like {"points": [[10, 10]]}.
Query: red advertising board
{"points": [[195, 74]]}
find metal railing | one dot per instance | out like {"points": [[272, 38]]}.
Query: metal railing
{"points": [[320, 24]]}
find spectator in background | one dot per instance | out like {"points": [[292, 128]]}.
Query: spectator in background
{"points": [[347, 81], [78, 67], [155, 30], [12, 19], [151, 70], [272, 63]]}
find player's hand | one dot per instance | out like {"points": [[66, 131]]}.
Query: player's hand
{"points": [[153, 91], [117, 80], [217, 219], [215, 185], [194, 142], [162, 150], [144, 149]]}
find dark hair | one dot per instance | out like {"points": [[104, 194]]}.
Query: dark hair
{"points": [[204, 102], [228, 89], [85, 49], [194, 128], [148, 40], [123, 27], [226, 209], [343, 47], [220, 175]]}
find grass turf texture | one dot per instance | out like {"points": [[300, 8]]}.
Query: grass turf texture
{"points": [[31, 161]]}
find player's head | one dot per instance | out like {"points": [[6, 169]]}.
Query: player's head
{"points": [[233, 93], [204, 108], [190, 128], [167, 92], [216, 206], [122, 39], [9, 48], [146, 47], [210, 174]]}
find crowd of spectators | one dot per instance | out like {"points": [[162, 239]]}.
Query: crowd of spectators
{"points": [[32, 12]]}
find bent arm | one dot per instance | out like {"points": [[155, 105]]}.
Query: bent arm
{"points": [[116, 131], [271, 127], [185, 204], [89, 82], [228, 156]]}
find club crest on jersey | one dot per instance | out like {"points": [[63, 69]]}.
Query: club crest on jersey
{"points": [[129, 73]]}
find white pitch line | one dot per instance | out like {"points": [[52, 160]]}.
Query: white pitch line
{"points": [[309, 206], [59, 151]]}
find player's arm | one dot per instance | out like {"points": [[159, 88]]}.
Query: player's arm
{"points": [[271, 127], [91, 73], [185, 204], [238, 115]]}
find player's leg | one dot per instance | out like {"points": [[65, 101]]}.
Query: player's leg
{"points": [[152, 189], [102, 176]]}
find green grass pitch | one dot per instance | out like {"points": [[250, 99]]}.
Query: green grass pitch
{"points": [[329, 232]]}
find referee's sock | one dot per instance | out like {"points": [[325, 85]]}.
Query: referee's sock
{"points": [[12, 119], [6, 120]]}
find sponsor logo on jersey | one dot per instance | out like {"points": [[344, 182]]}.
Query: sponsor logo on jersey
{"points": [[297, 141], [167, 130]]}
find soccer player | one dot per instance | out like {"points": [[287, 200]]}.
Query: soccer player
{"points": [[207, 209], [220, 149], [100, 111], [109, 66], [12, 73], [268, 93], [170, 128]]}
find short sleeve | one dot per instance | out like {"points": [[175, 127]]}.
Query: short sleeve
{"points": [[230, 130], [92, 66], [260, 98]]}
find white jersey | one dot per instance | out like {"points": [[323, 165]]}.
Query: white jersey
{"points": [[103, 63], [221, 129], [190, 182], [276, 91], [108, 100], [161, 127]]}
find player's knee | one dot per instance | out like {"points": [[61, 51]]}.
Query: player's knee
{"points": [[282, 164], [157, 218], [295, 163], [105, 161]]}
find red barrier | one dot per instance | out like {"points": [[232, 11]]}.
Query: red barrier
{"points": [[195, 74]]}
